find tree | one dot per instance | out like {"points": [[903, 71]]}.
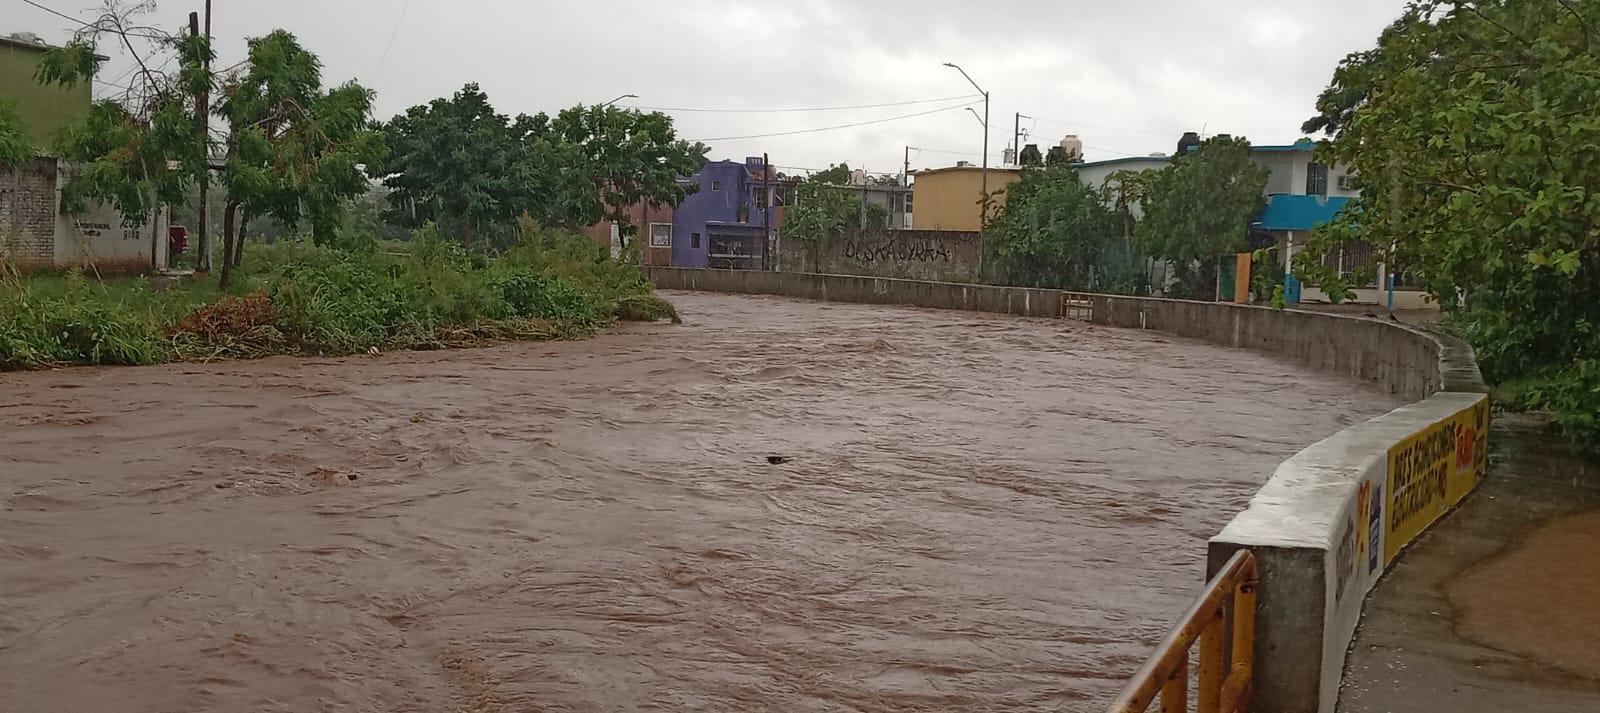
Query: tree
{"points": [[139, 149], [1472, 127], [823, 208], [838, 174], [1198, 208], [294, 151], [457, 159], [612, 159], [1054, 231]]}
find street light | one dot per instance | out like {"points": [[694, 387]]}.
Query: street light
{"points": [[984, 204], [979, 118], [625, 96]]}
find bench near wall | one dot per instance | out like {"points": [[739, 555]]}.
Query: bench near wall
{"points": [[1333, 517]]}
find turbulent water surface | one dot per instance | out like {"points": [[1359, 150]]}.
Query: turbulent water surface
{"points": [[778, 505]]}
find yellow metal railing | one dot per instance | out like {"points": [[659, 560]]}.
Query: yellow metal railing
{"points": [[1077, 305], [1225, 663]]}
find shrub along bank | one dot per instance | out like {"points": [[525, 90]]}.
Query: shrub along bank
{"points": [[297, 298]]}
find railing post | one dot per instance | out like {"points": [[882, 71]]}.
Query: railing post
{"points": [[1175, 692], [1244, 644], [1212, 665]]}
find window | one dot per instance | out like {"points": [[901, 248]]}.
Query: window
{"points": [[1347, 182], [1316, 179], [716, 185], [694, 240], [660, 235]]}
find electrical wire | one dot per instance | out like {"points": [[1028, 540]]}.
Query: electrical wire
{"points": [[839, 126], [63, 15], [755, 110], [399, 20]]}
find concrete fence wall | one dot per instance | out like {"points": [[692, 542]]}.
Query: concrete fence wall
{"points": [[905, 254], [1332, 518]]}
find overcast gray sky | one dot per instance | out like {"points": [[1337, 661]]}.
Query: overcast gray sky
{"points": [[1126, 76]]}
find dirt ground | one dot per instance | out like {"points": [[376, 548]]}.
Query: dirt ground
{"points": [[778, 505]]}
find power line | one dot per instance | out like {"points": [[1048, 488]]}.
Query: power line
{"points": [[839, 126], [399, 20], [753, 110], [1064, 122], [63, 15]]}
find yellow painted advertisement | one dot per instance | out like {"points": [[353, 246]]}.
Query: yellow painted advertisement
{"points": [[1432, 470]]}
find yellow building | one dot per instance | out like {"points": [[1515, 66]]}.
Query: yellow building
{"points": [[947, 198]]}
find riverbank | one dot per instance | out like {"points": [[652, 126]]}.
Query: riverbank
{"points": [[296, 298]]}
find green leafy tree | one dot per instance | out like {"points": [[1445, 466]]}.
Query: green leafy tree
{"points": [[1198, 209], [610, 159], [1472, 126], [823, 208], [294, 151], [142, 149], [458, 160], [1054, 231], [837, 174]]}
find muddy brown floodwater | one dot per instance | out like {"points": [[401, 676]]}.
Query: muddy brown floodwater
{"points": [[778, 505]]}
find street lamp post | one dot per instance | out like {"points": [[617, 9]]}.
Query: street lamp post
{"points": [[625, 96], [984, 203]]}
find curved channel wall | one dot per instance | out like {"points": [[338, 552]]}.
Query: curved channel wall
{"points": [[1333, 517]]}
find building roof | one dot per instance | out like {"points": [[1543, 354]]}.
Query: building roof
{"points": [[1301, 145], [1126, 159], [952, 169], [1286, 212]]}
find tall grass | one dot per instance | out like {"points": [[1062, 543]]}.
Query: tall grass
{"points": [[294, 297]]}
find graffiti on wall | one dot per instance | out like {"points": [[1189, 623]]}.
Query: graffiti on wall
{"points": [[896, 250], [1431, 470]]}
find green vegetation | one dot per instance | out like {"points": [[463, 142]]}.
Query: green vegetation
{"points": [[821, 208], [1198, 208], [301, 298], [294, 151], [1471, 126], [458, 163], [16, 146], [1054, 231]]}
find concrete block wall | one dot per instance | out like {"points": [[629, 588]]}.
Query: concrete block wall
{"points": [[28, 214], [939, 255], [34, 234]]}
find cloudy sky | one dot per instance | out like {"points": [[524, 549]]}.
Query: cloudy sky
{"points": [[1126, 76]]}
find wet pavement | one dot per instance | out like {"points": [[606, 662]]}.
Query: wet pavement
{"points": [[778, 505], [1497, 608]]}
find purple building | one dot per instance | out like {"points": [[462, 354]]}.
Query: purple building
{"points": [[726, 223]]}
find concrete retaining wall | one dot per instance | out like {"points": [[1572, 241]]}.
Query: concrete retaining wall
{"points": [[1026, 302], [1333, 517]]}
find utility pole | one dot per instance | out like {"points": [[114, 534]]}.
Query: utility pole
{"points": [[1016, 137], [905, 182], [767, 262], [202, 106], [983, 202]]}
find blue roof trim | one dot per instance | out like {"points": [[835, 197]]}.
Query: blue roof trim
{"points": [[1297, 146], [1286, 212]]}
